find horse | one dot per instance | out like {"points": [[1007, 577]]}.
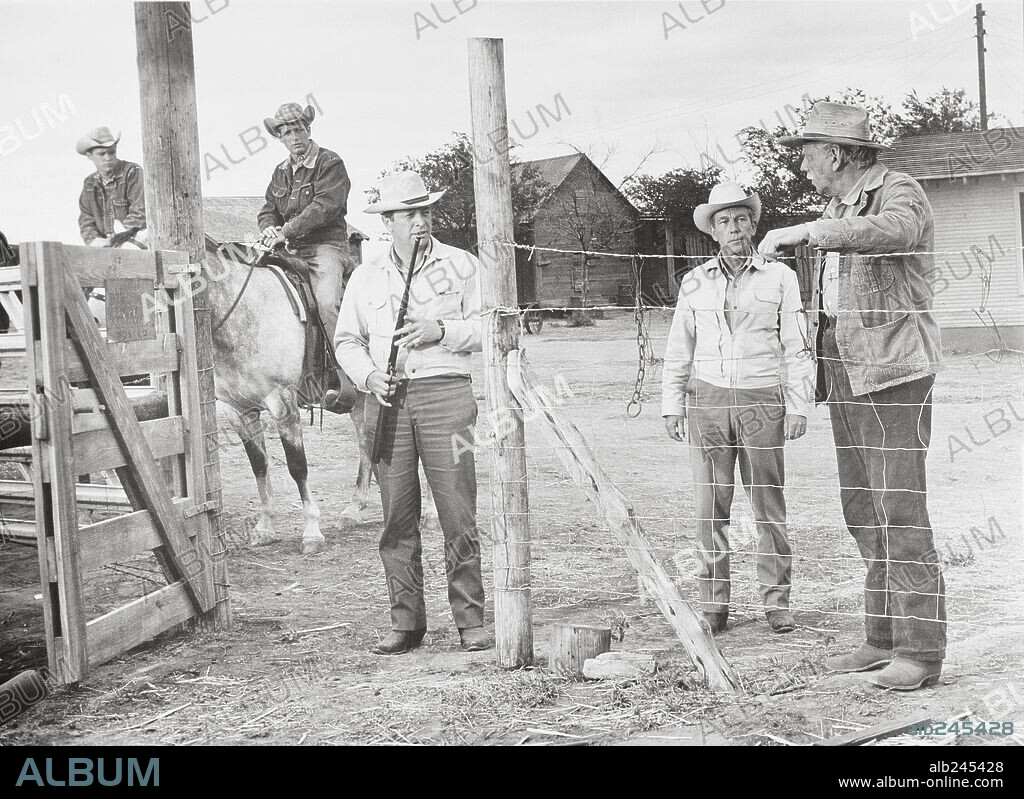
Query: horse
{"points": [[258, 346]]}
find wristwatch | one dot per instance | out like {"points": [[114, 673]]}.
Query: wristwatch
{"points": [[440, 324]]}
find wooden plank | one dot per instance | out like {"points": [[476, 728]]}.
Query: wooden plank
{"points": [[12, 344], [93, 266], [12, 305], [492, 183], [10, 278], [583, 468], [174, 213], [158, 354], [143, 476], [133, 624], [44, 266], [18, 492], [98, 450], [122, 537], [129, 314], [885, 729], [18, 531]]}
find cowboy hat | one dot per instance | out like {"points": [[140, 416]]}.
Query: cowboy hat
{"points": [[725, 195], [838, 123], [402, 191], [288, 114], [98, 137]]}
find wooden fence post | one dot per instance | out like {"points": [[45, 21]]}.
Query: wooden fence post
{"points": [[492, 184], [174, 213]]}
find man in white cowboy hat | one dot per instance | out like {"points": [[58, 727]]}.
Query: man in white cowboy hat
{"points": [[112, 205], [738, 321], [877, 346], [307, 200], [435, 412]]}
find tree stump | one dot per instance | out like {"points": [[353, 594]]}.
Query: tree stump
{"points": [[573, 644]]}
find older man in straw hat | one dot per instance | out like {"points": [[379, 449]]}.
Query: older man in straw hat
{"points": [[878, 352], [112, 205], [431, 392], [306, 204], [737, 322]]}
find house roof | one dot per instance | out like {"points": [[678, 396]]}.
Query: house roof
{"points": [[554, 172], [952, 155], [234, 219]]}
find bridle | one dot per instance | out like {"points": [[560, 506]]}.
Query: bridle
{"points": [[264, 252]]}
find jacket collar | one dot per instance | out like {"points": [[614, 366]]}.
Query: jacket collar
{"points": [[869, 181], [308, 161], [757, 261], [99, 180]]}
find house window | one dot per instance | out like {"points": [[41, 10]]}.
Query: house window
{"points": [[1020, 241]]}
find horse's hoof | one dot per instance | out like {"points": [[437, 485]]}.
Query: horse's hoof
{"points": [[259, 538], [353, 514], [311, 545]]}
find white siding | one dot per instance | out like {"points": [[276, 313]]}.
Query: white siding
{"points": [[982, 219]]}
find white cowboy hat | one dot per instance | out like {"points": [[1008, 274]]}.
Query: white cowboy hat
{"points": [[835, 122], [288, 114], [402, 191], [98, 137], [725, 195]]}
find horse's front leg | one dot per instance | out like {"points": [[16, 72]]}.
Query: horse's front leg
{"points": [[249, 428], [353, 512], [289, 427]]}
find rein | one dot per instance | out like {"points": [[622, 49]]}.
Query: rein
{"points": [[252, 268]]}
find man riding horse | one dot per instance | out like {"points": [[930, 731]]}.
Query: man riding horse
{"points": [[306, 205], [112, 204]]}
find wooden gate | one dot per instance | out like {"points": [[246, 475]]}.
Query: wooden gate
{"points": [[83, 422]]}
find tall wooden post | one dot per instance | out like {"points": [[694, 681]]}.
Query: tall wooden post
{"points": [[670, 261], [492, 183], [174, 214], [979, 13]]}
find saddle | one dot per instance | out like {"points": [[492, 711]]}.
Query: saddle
{"points": [[318, 361]]}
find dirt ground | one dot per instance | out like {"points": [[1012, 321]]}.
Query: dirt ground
{"points": [[272, 679]]}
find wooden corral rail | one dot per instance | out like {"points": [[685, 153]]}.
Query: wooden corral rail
{"points": [[84, 421]]}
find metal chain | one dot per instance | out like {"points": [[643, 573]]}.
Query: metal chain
{"points": [[643, 343]]}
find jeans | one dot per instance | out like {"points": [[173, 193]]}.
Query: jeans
{"points": [[745, 425], [434, 424], [882, 440], [329, 268]]}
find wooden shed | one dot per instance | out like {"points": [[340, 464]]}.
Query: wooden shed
{"points": [[582, 210], [975, 184]]}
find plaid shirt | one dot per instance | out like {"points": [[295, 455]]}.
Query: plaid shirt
{"points": [[121, 198]]}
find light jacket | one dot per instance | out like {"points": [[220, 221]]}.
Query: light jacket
{"points": [[886, 332], [445, 287], [122, 199], [309, 201], [767, 333]]}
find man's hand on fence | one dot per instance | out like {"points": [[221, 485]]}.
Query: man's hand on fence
{"points": [[382, 386], [675, 426], [783, 238], [796, 426]]}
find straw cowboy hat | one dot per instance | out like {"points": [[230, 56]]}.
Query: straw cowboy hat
{"points": [[838, 123], [288, 114], [402, 191], [725, 195], [98, 137]]}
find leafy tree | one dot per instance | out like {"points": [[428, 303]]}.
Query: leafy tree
{"points": [[947, 111], [451, 166], [673, 195]]}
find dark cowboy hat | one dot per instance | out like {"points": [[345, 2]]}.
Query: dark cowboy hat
{"points": [[838, 123], [288, 114]]}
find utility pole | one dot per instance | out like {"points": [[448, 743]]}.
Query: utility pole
{"points": [[978, 14]]}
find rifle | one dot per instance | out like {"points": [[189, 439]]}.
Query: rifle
{"points": [[385, 413]]}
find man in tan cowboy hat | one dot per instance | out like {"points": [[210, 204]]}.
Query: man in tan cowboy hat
{"points": [[433, 396], [306, 204], [737, 322], [878, 350], [112, 205]]}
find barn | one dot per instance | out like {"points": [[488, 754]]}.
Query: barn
{"points": [[581, 210], [234, 219], [975, 183]]}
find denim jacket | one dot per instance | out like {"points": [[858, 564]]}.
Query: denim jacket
{"points": [[122, 199], [310, 201], [886, 332]]}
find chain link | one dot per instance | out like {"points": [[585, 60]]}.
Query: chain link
{"points": [[645, 350]]}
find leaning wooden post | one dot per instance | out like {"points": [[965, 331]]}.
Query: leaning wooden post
{"points": [[492, 182], [174, 214]]}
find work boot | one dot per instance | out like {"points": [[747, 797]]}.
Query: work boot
{"points": [[475, 639], [399, 642], [866, 658], [907, 674], [781, 620], [717, 621]]}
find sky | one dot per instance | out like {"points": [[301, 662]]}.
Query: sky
{"points": [[618, 80]]}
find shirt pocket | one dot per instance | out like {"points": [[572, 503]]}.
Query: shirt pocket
{"points": [[766, 307], [376, 309], [305, 195]]}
